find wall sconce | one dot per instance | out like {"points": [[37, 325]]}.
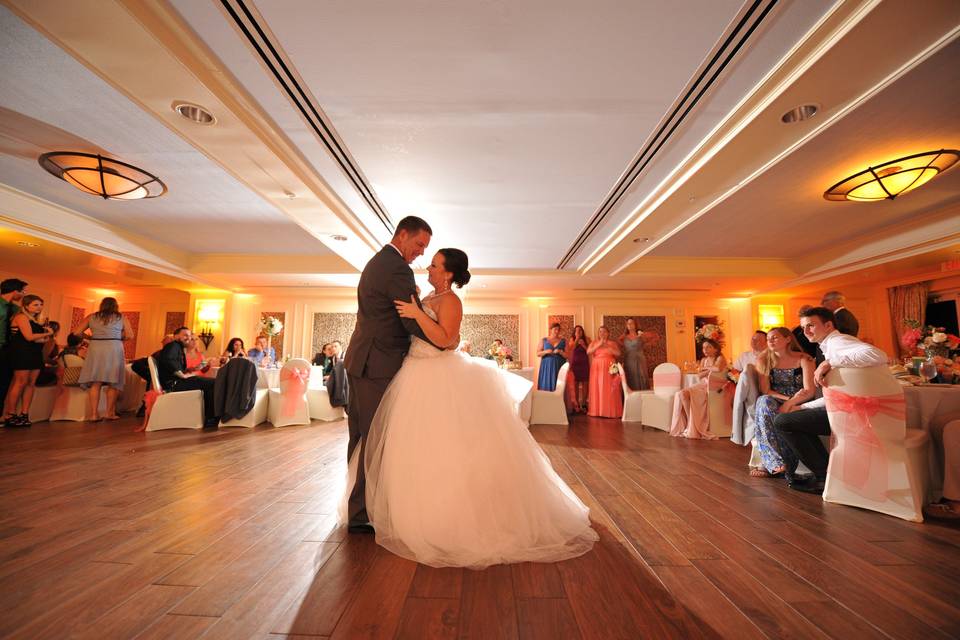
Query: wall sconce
{"points": [[771, 315], [209, 316]]}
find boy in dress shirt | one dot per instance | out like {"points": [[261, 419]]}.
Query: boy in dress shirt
{"points": [[802, 427]]}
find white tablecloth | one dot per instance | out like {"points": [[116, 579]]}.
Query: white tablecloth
{"points": [[923, 404], [133, 389], [526, 405]]}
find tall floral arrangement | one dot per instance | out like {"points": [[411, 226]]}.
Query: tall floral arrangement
{"points": [[270, 326], [711, 332], [927, 340], [499, 353]]}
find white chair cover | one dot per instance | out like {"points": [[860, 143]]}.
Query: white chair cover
{"points": [[876, 463], [318, 400], [632, 402], [657, 405], [549, 406], [42, 405], [72, 403], [288, 403], [174, 409]]}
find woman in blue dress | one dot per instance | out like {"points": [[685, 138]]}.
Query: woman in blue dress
{"points": [[785, 375], [552, 349]]}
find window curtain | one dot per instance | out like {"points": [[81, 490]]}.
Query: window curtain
{"points": [[907, 302]]}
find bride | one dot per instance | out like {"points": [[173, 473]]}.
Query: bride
{"points": [[453, 476]]}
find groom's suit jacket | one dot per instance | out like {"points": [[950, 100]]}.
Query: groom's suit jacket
{"points": [[381, 338]]}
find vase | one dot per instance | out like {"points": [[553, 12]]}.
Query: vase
{"points": [[937, 350]]}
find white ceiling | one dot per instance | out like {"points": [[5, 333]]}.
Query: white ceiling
{"points": [[205, 210], [783, 213]]}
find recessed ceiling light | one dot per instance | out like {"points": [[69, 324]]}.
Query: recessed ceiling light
{"points": [[641, 240], [338, 237], [799, 114], [24, 243], [290, 194], [194, 113]]}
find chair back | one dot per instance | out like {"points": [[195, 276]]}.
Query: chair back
{"points": [[154, 376], [666, 379], [867, 392], [294, 371], [562, 379]]}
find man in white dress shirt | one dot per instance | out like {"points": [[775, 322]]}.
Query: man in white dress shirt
{"points": [[758, 344], [802, 428]]}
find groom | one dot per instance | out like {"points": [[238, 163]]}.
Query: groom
{"points": [[379, 343]]}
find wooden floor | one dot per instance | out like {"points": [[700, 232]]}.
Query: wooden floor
{"points": [[106, 533]]}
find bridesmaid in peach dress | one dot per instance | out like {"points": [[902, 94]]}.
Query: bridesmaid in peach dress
{"points": [[606, 394], [691, 415]]}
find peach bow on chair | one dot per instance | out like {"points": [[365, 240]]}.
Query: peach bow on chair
{"points": [[292, 393], [859, 432]]}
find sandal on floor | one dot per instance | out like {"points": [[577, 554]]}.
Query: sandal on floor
{"points": [[111, 418], [760, 472]]}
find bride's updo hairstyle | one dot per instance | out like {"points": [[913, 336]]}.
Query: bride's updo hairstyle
{"points": [[456, 262]]}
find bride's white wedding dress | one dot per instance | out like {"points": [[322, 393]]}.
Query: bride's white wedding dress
{"points": [[453, 476]]}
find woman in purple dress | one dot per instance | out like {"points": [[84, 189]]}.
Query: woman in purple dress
{"points": [[580, 368]]}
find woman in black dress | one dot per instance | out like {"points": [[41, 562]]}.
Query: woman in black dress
{"points": [[25, 351]]}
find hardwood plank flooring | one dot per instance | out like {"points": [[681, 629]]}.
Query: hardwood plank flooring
{"points": [[108, 533]]}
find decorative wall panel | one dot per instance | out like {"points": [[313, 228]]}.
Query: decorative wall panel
{"points": [[481, 329], [130, 346], [328, 327], [77, 314], [654, 351], [173, 321]]}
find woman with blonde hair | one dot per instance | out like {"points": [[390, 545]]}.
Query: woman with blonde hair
{"points": [[104, 365], [25, 353], [785, 376]]}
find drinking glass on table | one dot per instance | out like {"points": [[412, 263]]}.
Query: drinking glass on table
{"points": [[928, 370]]}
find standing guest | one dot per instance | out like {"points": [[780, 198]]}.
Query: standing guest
{"points": [[105, 360], [810, 348], [51, 353], [606, 394], [11, 292], [173, 375], [25, 353], [785, 376], [234, 350], [634, 361], [846, 322], [261, 354], [802, 429], [580, 368], [551, 351], [758, 347], [691, 413]]}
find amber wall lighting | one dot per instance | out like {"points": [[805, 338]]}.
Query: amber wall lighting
{"points": [[894, 178], [770, 316], [104, 177]]}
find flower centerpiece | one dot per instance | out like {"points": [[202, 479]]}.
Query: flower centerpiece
{"points": [[270, 327], [710, 332], [928, 341], [500, 353]]}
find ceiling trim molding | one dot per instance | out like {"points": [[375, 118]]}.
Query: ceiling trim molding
{"points": [[730, 43]]}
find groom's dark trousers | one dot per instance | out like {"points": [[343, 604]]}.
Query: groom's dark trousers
{"points": [[375, 353]]}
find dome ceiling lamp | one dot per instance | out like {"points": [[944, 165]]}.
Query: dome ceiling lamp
{"points": [[99, 176], [893, 178]]}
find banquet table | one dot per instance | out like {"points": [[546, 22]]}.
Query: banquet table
{"points": [[526, 405], [269, 377], [923, 404]]}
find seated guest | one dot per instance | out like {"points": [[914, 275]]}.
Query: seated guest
{"points": [[72, 354], [552, 350], [261, 354], [234, 350], [808, 347], [785, 377], [945, 433], [691, 413], [51, 353], [758, 347], [173, 375], [801, 429], [846, 322], [194, 355], [320, 360], [496, 346], [142, 369], [605, 399], [465, 347]]}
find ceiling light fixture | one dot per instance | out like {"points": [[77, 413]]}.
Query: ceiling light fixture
{"points": [[24, 243], [799, 114], [893, 178], [640, 240], [104, 177], [194, 113]]}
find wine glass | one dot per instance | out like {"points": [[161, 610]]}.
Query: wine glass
{"points": [[928, 370]]}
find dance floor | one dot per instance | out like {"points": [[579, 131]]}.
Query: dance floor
{"points": [[106, 533]]}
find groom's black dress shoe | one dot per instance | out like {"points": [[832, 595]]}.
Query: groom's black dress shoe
{"points": [[360, 527], [812, 485]]}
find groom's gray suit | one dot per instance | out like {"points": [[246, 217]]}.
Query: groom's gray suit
{"points": [[375, 353]]}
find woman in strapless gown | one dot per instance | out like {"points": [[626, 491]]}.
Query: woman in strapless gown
{"points": [[454, 477]]}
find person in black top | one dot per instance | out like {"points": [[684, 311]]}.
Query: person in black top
{"points": [[846, 322], [171, 372], [25, 357]]}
